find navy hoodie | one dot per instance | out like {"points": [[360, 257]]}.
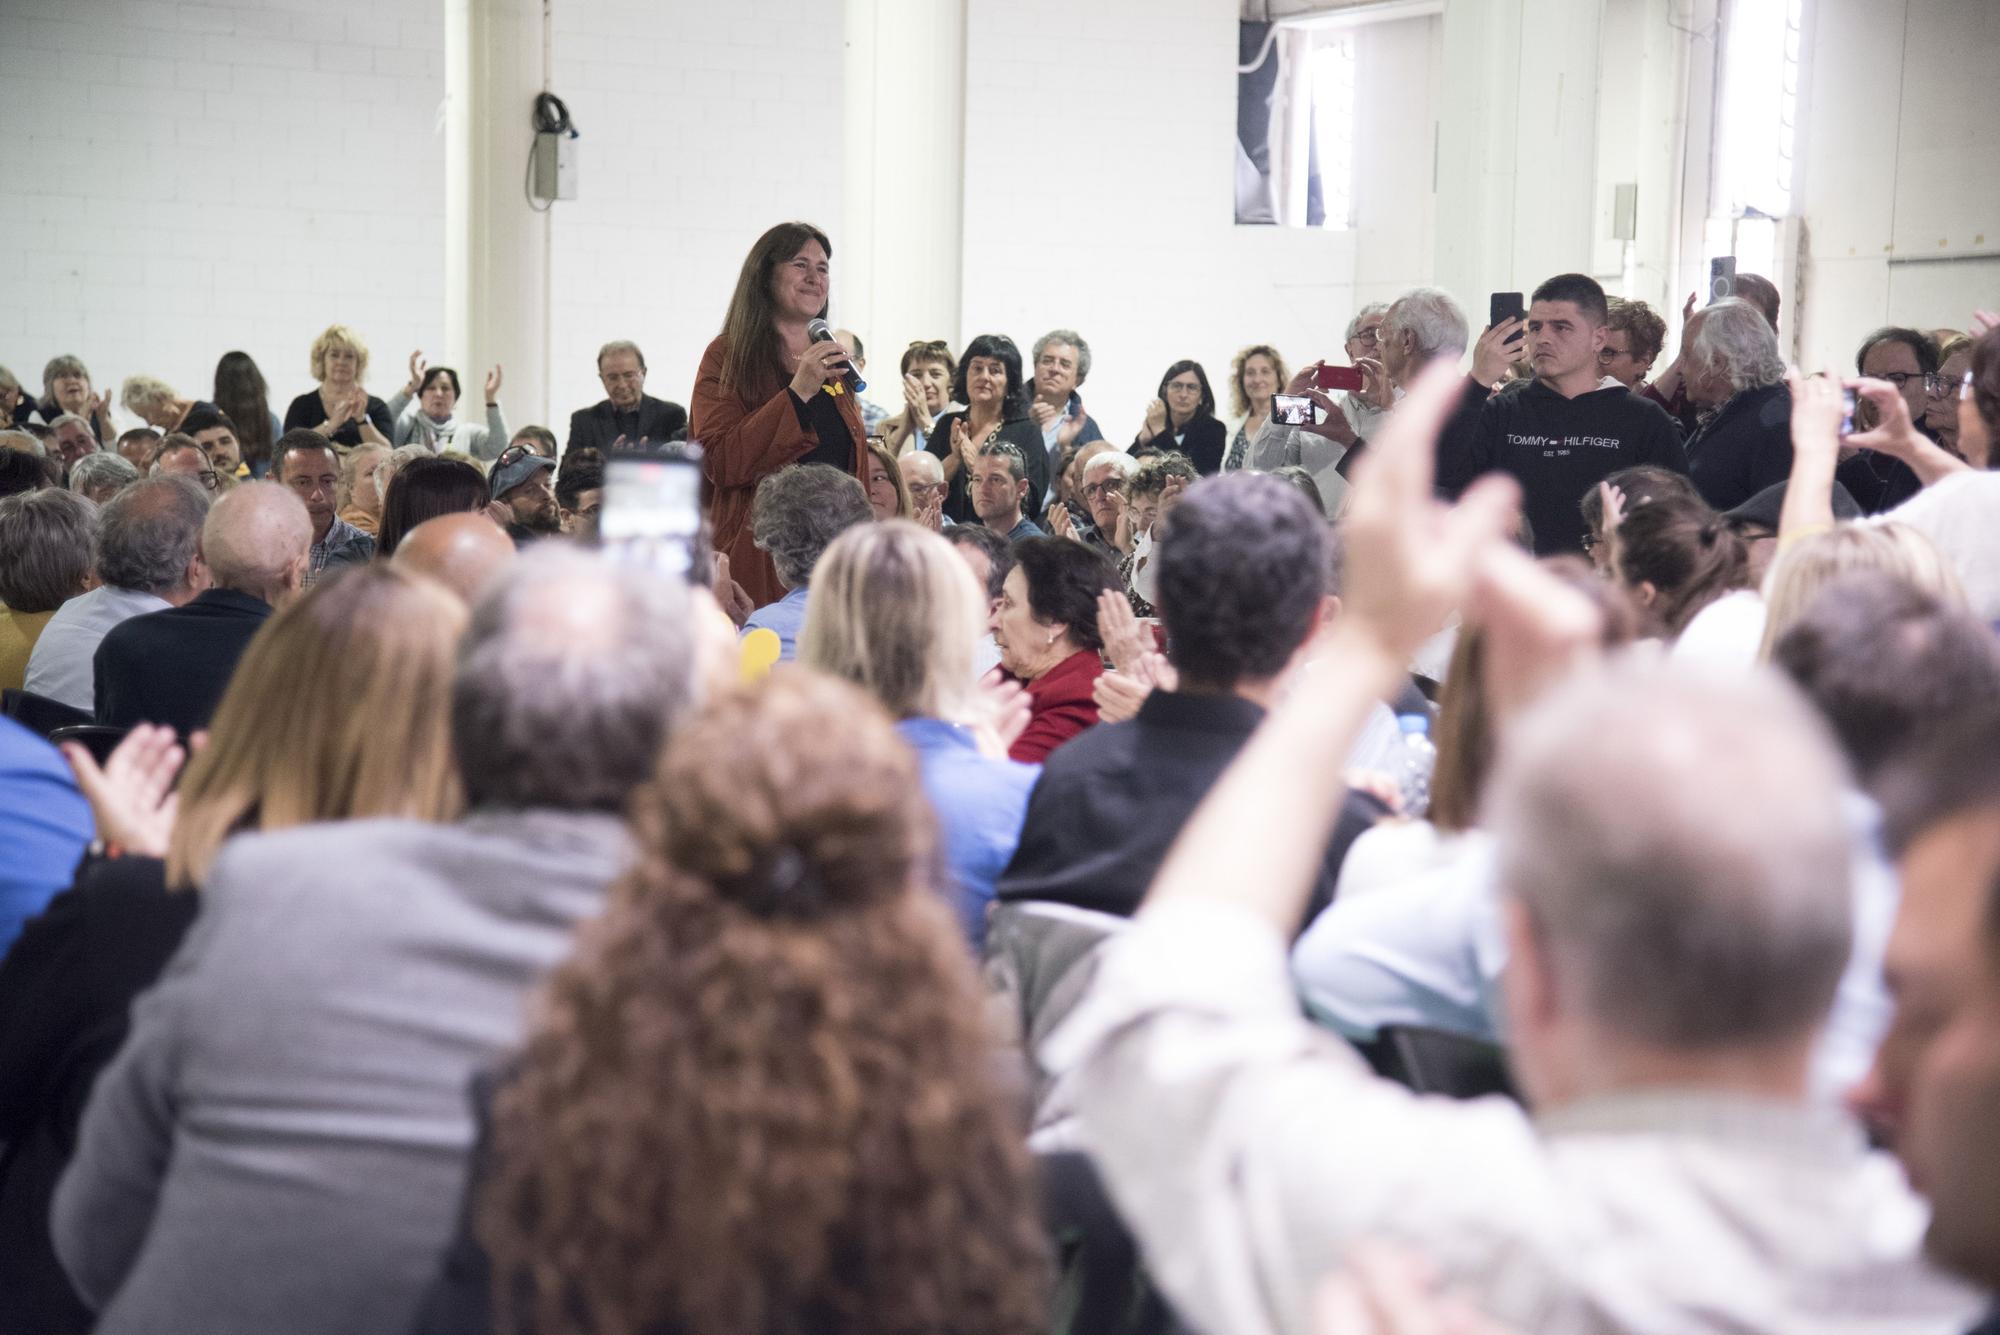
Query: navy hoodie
{"points": [[1556, 448]]}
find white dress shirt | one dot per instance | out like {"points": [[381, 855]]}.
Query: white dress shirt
{"points": [[1249, 1151], [60, 667]]}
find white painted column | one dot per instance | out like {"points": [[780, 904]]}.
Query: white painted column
{"points": [[496, 240], [899, 255]]}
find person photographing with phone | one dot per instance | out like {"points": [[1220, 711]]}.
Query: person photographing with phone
{"points": [[1566, 432], [770, 393]]}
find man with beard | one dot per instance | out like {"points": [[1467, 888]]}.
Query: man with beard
{"points": [[524, 484]]}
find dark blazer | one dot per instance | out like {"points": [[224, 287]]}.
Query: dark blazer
{"points": [[1203, 441], [1743, 447], [1110, 802], [1022, 434], [172, 666], [308, 411], [656, 421], [66, 989]]}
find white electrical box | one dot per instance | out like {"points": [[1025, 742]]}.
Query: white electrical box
{"points": [[554, 175]]}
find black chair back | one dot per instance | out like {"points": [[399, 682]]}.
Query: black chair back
{"points": [[1432, 1061], [39, 714]]}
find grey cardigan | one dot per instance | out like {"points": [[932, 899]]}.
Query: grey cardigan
{"points": [[481, 442], [282, 1142]]}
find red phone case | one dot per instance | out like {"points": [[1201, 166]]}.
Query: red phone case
{"points": [[1348, 378]]}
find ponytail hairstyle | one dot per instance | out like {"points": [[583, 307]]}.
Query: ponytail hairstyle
{"points": [[1687, 552], [760, 1097]]}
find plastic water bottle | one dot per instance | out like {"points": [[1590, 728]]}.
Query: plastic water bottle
{"points": [[1419, 759]]}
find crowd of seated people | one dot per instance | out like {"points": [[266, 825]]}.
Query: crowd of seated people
{"points": [[1000, 878]]}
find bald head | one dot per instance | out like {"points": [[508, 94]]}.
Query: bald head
{"points": [[256, 541], [463, 552], [1684, 865]]}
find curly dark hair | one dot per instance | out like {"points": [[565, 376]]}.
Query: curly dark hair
{"points": [[1000, 348], [760, 1097], [1064, 579]]}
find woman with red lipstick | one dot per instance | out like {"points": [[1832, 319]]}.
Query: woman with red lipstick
{"points": [[767, 395]]}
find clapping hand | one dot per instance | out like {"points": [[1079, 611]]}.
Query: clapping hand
{"points": [[1125, 639], [733, 597], [1613, 501], [132, 796], [1071, 428], [493, 383], [417, 365], [1156, 418], [931, 513], [1004, 711], [1060, 524], [1042, 414]]}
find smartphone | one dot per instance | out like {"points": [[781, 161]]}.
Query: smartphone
{"points": [[1847, 407], [1348, 378], [1292, 409], [1503, 306], [1721, 278], [652, 511]]}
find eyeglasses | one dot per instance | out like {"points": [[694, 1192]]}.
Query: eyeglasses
{"points": [[208, 479], [514, 454], [1373, 335], [926, 488], [1179, 387], [926, 345], [1111, 486], [1934, 384]]}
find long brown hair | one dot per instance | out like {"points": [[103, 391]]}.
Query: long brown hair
{"points": [[340, 709], [241, 394], [760, 1097], [1686, 551], [753, 363]]}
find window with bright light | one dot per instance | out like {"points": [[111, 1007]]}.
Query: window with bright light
{"points": [[1295, 125], [1757, 108]]}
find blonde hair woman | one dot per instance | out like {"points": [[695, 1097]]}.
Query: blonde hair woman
{"points": [[340, 409], [339, 710], [1812, 563], [896, 611]]}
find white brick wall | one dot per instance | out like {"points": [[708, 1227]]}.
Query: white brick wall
{"points": [[1099, 143], [185, 179], [702, 125]]}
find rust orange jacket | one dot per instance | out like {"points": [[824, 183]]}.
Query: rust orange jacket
{"points": [[742, 444]]}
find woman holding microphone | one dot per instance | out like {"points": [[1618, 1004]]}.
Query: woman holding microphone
{"points": [[767, 395]]}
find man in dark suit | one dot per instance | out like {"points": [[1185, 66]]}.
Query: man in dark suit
{"points": [[1244, 583], [171, 667], [629, 416]]}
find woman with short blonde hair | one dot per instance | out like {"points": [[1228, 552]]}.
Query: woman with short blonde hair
{"points": [[896, 611], [340, 409], [1812, 563], [339, 710]]}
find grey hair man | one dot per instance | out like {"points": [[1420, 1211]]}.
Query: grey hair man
{"points": [[1662, 1034], [797, 513], [45, 560], [314, 1079], [71, 439], [627, 415], [171, 666], [101, 476], [1732, 371], [923, 474], [1061, 365], [148, 558], [1420, 327]]}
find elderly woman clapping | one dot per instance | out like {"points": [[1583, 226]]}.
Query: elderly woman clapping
{"points": [[423, 410]]}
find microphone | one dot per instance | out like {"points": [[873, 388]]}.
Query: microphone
{"points": [[821, 332]]}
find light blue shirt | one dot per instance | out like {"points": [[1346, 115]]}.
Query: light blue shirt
{"points": [[45, 826], [980, 803], [60, 665], [785, 618], [1430, 954]]}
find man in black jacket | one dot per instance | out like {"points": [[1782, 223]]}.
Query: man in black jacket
{"points": [[628, 416], [1735, 376], [171, 667], [1564, 433], [1243, 564]]}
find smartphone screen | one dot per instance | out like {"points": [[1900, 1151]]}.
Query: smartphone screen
{"points": [[652, 512], [1721, 278], [1348, 378], [1292, 409], [1506, 306]]}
